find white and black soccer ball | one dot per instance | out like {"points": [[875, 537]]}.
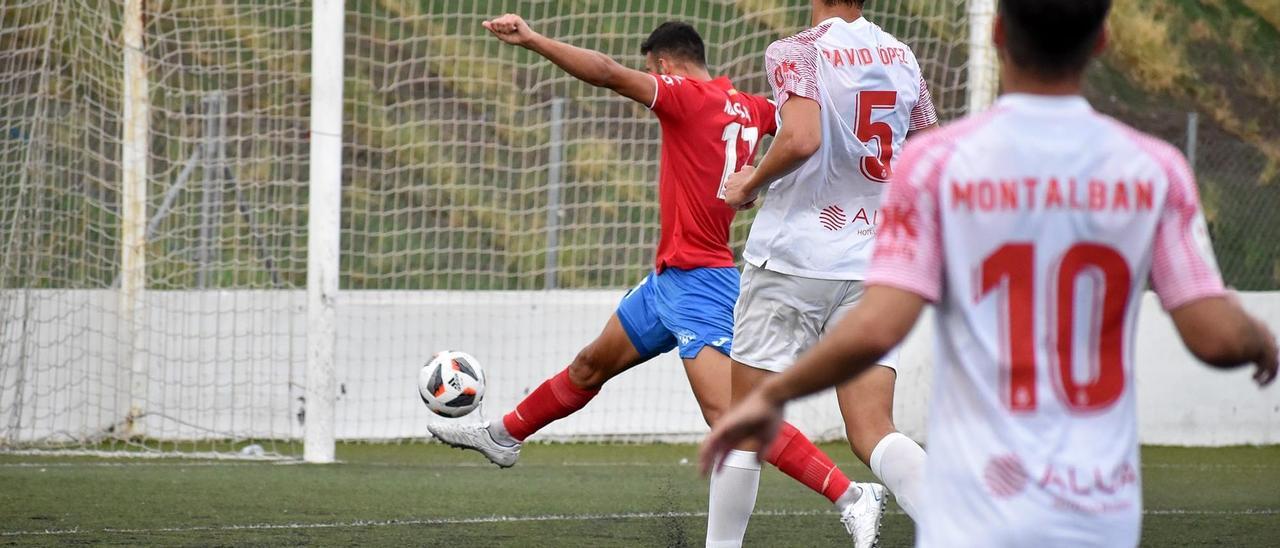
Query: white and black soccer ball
{"points": [[452, 385]]}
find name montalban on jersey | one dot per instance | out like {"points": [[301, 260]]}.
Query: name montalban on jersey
{"points": [[1053, 193]]}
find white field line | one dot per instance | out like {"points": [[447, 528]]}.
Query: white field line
{"points": [[196, 464], [424, 465], [148, 455], [481, 464], [519, 519]]}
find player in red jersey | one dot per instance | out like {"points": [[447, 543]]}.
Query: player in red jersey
{"points": [[709, 131]]}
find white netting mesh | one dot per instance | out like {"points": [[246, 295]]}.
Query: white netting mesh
{"points": [[455, 188], [226, 197], [451, 197]]}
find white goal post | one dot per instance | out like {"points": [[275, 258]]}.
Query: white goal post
{"points": [[324, 226], [227, 224]]}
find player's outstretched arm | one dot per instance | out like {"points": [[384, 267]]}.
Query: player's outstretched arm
{"points": [[1220, 333], [875, 326], [798, 138], [590, 66]]}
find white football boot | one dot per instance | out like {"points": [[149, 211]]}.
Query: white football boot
{"points": [[862, 518], [477, 438]]}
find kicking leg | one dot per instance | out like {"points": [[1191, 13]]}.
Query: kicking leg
{"points": [[866, 403], [608, 355], [562, 395]]}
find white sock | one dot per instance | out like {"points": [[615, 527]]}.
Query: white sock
{"points": [[498, 431], [899, 463], [733, 497], [850, 496]]}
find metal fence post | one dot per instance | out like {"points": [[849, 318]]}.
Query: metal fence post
{"points": [[1193, 129], [553, 190]]}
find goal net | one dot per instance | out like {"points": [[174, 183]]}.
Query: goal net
{"points": [[490, 204]]}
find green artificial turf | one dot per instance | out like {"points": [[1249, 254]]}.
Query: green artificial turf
{"points": [[558, 495]]}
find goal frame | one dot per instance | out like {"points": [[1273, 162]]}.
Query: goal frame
{"points": [[325, 187]]}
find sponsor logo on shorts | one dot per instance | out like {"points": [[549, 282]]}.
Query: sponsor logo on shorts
{"points": [[718, 343]]}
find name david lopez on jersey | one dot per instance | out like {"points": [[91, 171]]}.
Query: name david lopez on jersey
{"points": [[862, 56]]}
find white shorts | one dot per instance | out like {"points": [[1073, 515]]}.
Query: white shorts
{"points": [[779, 316]]}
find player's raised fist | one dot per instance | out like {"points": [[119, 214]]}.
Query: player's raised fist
{"points": [[510, 28]]}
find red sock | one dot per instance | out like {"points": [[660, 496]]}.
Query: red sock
{"points": [[799, 458], [554, 399]]}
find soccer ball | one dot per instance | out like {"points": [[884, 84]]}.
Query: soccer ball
{"points": [[452, 385]]}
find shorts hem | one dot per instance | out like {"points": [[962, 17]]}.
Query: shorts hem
{"points": [[754, 364], [695, 348]]}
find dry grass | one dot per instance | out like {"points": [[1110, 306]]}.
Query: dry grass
{"points": [[1200, 30], [770, 13], [1143, 41], [1269, 10], [1241, 33]]}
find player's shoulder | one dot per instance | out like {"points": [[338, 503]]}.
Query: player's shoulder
{"points": [[748, 96], [929, 151], [673, 80], [1138, 146], [801, 44], [1154, 147], [887, 38], [949, 137], [682, 86]]}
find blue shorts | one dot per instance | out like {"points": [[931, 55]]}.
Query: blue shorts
{"points": [[686, 308]]}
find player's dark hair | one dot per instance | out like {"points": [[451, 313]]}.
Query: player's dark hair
{"points": [[1053, 38], [678, 40], [855, 3]]}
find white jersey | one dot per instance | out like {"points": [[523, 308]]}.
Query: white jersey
{"points": [[819, 221], [1034, 228]]}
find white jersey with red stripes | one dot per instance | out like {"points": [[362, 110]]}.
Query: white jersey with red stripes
{"points": [[819, 221], [1034, 228]]}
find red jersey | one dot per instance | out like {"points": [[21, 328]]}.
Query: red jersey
{"points": [[709, 131]]}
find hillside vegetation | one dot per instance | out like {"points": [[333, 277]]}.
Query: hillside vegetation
{"points": [[1221, 59], [448, 151]]}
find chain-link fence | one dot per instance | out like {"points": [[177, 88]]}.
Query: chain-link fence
{"points": [[1239, 189]]}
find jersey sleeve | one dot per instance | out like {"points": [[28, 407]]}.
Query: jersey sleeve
{"points": [[766, 115], [908, 250], [923, 115], [675, 97], [1183, 268], [792, 68]]}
